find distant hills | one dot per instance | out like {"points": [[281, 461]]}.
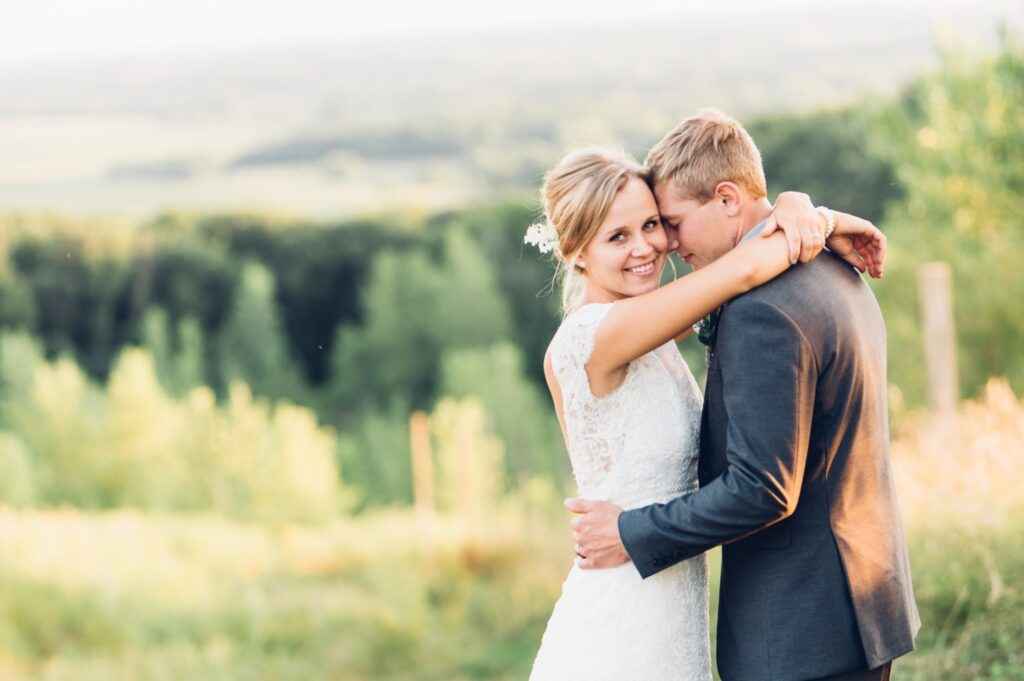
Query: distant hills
{"points": [[435, 119]]}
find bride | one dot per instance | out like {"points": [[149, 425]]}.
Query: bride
{"points": [[629, 407]]}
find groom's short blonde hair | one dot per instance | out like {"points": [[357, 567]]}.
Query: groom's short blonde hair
{"points": [[704, 150]]}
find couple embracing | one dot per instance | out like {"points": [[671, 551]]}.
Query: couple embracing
{"points": [[784, 461]]}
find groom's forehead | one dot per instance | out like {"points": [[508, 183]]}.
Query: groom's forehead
{"points": [[670, 203]]}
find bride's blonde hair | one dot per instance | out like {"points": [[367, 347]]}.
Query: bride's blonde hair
{"points": [[577, 195]]}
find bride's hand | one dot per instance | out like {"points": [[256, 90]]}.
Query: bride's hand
{"points": [[802, 224], [860, 243]]}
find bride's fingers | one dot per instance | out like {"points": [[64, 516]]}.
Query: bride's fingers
{"points": [[792, 234], [855, 259], [882, 252], [873, 250], [872, 264], [813, 242], [793, 237]]}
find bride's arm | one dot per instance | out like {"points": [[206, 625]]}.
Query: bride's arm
{"points": [[855, 240], [860, 243], [635, 326]]}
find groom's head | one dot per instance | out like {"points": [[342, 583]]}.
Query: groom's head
{"points": [[707, 177]]}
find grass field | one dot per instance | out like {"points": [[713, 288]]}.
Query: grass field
{"points": [[126, 595]]}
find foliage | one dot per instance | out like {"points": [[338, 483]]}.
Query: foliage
{"points": [[363, 320], [522, 418], [962, 492], [132, 444], [180, 369], [392, 596], [471, 459], [523, 277], [415, 310], [252, 347], [17, 307], [957, 138], [17, 478], [374, 453], [828, 155], [321, 272], [78, 301], [227, 600]]}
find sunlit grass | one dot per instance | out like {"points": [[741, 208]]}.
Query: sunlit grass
{"points": [[962, 489], [395, 595]]}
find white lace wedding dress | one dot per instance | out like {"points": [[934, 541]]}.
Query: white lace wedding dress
{"points": [[635, 446]]}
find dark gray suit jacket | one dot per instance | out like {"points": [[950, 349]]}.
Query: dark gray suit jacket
{"points": [[796, 483]]}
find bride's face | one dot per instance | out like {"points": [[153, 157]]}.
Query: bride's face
{"points": [[626, 256]]}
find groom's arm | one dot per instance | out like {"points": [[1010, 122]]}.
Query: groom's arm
{"points": [[769, 374]]}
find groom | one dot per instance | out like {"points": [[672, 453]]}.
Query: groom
{"points": [[795, 477]]}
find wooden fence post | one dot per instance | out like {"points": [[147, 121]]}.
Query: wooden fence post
{"points": [[935, 289], [422, 463]]}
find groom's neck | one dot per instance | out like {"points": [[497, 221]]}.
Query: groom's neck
{"points": [[753, 214]]}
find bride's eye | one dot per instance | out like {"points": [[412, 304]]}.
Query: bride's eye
{"points": [[651, 224]]}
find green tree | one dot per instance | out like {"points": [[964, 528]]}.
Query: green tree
{"points": [[17, 477], [133, 444], [415, 310], [958, 140], [17, 307], [253, 348], [179, 360], [523, 275], [519, 415], [321, 272], [20, 356], [829, 155], [78, 299], [374, 457]]}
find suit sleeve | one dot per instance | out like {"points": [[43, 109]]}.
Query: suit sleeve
{"points": [[769, 374]]}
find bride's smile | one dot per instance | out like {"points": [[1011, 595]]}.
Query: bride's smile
{"points": [[644, 270]]}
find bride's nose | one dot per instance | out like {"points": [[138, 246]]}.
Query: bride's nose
{"points": [[642, 248]]}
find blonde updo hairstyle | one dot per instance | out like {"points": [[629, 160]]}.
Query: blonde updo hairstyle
{"points": [[577, 195]]}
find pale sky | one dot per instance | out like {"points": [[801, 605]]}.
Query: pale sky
{"points": [[44, 29]]}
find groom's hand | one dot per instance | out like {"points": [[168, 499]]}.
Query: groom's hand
{"points": [[596, 531]]}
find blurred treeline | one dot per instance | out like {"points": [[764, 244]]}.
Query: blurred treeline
{"points": [[311, 344]]}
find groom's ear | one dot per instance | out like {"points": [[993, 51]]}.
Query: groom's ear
{"points": [[730, 197]]}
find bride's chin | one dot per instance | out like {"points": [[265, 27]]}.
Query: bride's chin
{"points": [[640, 289]]}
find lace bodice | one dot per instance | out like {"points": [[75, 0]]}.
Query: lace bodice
{"points": [[638, 444]]}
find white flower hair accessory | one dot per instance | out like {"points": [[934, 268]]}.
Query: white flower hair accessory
{"points": [[542, 235]]}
